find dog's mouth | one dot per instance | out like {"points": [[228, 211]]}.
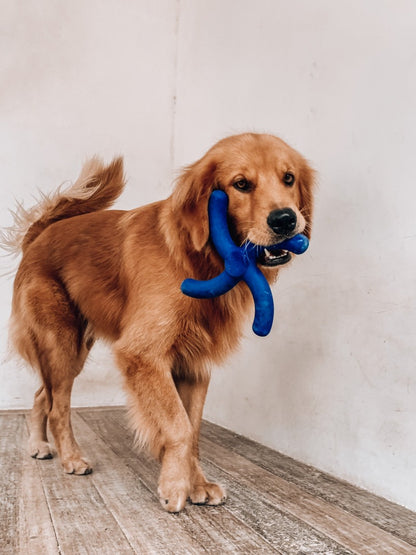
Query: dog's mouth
{"points": [[273, 257]]}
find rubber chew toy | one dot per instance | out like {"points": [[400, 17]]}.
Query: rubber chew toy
{"points": [[240, 264]]}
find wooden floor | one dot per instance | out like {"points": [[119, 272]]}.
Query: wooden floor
{"points": [[275, 504]]}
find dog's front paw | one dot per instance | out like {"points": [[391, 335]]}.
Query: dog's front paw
{"points": [[173, 496], [40, 450], [208, 493], [77, 466]]}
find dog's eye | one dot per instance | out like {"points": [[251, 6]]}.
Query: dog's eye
{"points": [[242, 185], [289, 179]]}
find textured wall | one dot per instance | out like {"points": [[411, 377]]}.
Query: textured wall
{"points": [[77, 79], [335, 382]]}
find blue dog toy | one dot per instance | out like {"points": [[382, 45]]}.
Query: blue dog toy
{"points": [[240, 264]]}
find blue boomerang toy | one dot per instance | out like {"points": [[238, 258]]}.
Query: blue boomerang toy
{"points": [[240, 264]]}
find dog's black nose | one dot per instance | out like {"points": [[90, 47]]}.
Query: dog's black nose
{"points": [[283, 221]]}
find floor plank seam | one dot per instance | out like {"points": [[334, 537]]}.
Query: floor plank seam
{"points": [[320, 533], [214, 429], [284, 511], [231, 515], [125, 461], [97, 487], [294, 519], [116, 413], [335, 502], [132, 468], [36, 462], [253, 531], [372, 528]]}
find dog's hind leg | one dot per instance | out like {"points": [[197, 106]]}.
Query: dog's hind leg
{"points": [[54, 339], [69, 452], [39, 447]]}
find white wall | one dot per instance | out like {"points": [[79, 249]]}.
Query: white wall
{"points": [[335, 382], [79, 78]]}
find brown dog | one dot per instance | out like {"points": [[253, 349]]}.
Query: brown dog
{"points": [[87, 272]]}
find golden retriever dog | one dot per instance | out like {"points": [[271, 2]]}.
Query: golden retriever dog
{"points": [[87, 272]]}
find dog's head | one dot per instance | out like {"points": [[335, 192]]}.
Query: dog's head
{"points": [[269, 186]]}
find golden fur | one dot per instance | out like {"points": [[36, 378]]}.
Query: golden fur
{"points": [[87, 272]]}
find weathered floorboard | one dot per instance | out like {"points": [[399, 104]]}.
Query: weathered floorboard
{"points": [[36, 531], [125, 492], [283, 531], [82, 521], [374, 509], [275, 505], [329, 520], [12, 428], [345, 528], [215, 530]]}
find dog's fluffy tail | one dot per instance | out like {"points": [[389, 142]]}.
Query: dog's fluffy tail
{"points": [[97, 187]]}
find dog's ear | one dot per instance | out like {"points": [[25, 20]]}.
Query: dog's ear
{"points": [[306, 189], [190, 200]]}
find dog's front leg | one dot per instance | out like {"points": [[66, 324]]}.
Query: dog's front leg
{"points": [[162, 424], [193, 395]]}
